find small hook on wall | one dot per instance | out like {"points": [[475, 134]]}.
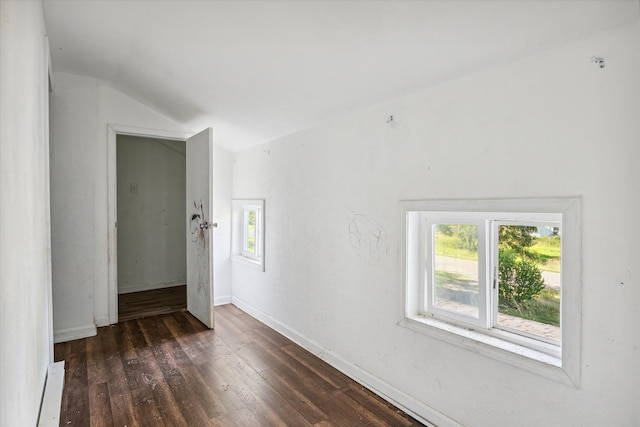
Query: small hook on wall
{"points": [[390, 119], [598, 61]]}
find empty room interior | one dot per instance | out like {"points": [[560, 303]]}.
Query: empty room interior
{"points": [[151, 243], [322, 213]]}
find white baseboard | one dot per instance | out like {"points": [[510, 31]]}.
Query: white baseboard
{"points": [[139, 287], [52, 396], [102, 321], [222, 300], [74, 333], [418, 410]]}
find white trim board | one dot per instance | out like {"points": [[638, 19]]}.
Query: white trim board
{"points": [[71, 334], [385, 390], [139, 287], [52, 396], [102, 321], [222, 300]]}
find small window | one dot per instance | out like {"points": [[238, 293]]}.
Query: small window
{"points": [[248, 232], [497, 274]]}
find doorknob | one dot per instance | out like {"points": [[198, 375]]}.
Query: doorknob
{"points": [[205, 225]]}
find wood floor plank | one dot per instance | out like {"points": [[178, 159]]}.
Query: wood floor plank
{"points": [[134, 360], [100, 415], [152, 394], [78, 412], [96, 370], [266, 404], [362, 413], [241, 415], [294, 368], [98, 377], [119, 392], [233, 335], [278, 340], [170, 370], [206, 396], [136, 305], [382, 409], [294, 396], [154, 377], [334, 404], [136, 371], [332, 376], [197, 341], [169, 355]]}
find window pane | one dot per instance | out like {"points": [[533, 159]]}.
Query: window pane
{"points": [[250, 231], [456, 268], [529, 285]]}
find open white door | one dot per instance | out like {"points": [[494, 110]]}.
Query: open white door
{"points": [[199, 226]]}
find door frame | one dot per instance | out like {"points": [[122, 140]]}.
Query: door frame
{"points": [[113, 130]]}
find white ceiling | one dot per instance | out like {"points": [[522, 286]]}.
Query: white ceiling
{"points": [[258, 70]]}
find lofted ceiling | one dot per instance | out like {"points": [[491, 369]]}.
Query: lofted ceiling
{"points": [[258, 70]]}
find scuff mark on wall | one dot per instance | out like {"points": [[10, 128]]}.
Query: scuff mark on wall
{"points": [[366, 236]]}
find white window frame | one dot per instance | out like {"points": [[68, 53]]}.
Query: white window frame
{"points": [[429, 221], [559, 362], [239, 238]]}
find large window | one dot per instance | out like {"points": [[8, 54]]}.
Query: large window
{"points": [[500, 272]]}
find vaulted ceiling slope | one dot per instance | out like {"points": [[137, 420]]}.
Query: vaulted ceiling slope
{"points": [[258, 70]]}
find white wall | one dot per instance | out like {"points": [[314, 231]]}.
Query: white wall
{"points": [[81, 108], [222, 187], [472, 137], [74, 123], [151, 220], [25, 341]]}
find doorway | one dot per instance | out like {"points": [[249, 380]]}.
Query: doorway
{"points": [[151, 208], [208, 195]]}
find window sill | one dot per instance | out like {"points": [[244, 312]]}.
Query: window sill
{"points": [[248, 262], [492, 346]]}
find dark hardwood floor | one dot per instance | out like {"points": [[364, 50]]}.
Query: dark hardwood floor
{"points": [[169, 370], [151, 303]]}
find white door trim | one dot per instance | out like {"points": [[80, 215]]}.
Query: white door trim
{"points": [[113, 130]]}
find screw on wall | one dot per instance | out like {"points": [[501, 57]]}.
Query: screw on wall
{"points": [[598, 61]]}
